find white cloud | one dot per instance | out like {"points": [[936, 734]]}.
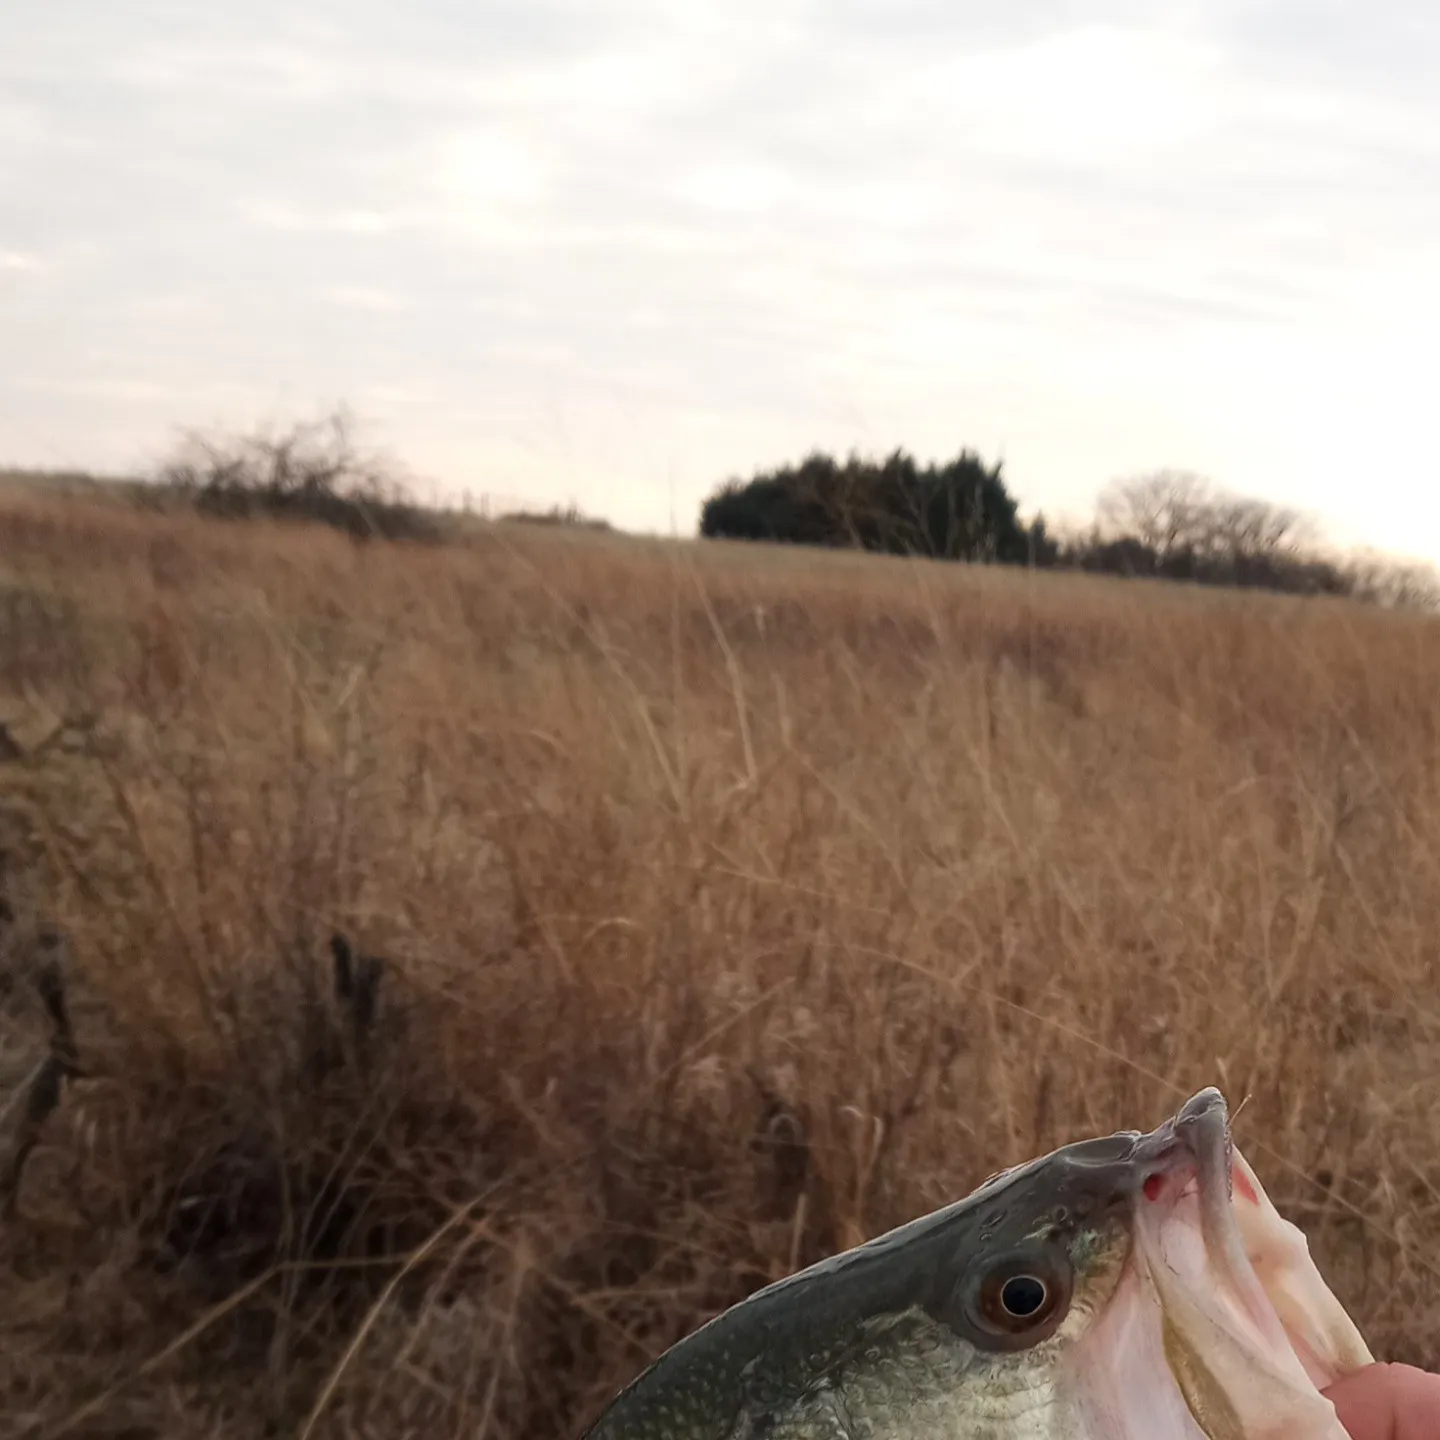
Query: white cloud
{"points": [[301, 220], [361, 297], [736, 187], [610, 246], [1097, 97], [145, 392], [479, 169]]}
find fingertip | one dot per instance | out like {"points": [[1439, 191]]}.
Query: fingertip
{"points": [[1388, 1402]]}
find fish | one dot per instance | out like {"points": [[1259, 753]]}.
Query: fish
{"points": [[1136, 1286]]}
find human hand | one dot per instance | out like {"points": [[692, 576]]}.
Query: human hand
{"points": [[1388, 1402]]}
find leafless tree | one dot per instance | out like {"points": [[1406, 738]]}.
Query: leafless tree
{"points": [[1393, 584], [1176, 512], [1163, 511]]}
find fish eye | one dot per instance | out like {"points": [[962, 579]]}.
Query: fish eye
{"points": [[1019, 1298]]}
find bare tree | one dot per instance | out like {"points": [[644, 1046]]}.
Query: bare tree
{"points": [[1176, 512], [1165, 511], [1253, 528], [1394, 584]]}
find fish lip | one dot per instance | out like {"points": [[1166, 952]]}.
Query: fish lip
{"points": [[1194, 1155], [1204, 1124], [1194, 1144], [1218, 1292]]}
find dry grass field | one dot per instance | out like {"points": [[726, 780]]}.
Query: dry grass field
{"points": [[730, 906]]}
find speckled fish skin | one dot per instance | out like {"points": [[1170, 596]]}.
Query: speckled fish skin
{"points": [[889, 1341]]}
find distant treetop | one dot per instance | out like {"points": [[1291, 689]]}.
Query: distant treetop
{"points": [[960, 510]]}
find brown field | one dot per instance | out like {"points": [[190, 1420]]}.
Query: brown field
{"points": [[735, 906]]}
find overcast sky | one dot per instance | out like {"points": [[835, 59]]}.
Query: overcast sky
{"points": [[616, 250]]}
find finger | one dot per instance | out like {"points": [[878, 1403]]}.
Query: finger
{"points": [[1388, 1402]]}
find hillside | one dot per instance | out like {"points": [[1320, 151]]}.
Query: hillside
{"points": [[706, 909]]}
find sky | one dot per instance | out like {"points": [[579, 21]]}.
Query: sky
{"points": [[616, 251]]}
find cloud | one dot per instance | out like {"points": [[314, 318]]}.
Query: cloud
{"points": [[113, 388], [267, 215], [620, 247], [359, 297]]}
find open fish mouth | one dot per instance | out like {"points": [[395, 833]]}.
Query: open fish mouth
{"points": [[1249, 1331]]}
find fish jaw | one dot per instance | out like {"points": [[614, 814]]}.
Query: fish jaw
{"points": [[1118, 1380], [1175, 1354]]}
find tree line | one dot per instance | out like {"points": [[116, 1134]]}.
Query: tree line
{"points": [[1170, 525]]}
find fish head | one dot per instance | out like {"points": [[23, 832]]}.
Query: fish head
{"points": [[1136, 1286]]}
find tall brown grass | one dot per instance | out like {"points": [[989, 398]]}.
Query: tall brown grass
{"points": [[708, 910]]}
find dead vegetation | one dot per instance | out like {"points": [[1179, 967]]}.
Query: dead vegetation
{"points": [[478, 964], [314, 472]]}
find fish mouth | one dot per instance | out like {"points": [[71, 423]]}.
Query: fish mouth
{"points": [[1193, 1147], [1249, 1328], [1193, 1155], [1186, 1221]]}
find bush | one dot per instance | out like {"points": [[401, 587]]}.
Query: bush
{"points": [[957, 511], [309, 472]]}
